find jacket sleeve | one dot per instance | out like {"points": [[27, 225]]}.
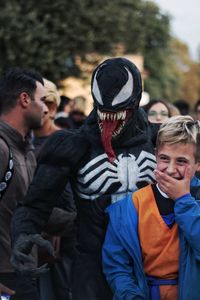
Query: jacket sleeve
{"points": [[187, 214], [59, 159], [4, 157], [118, 268]]}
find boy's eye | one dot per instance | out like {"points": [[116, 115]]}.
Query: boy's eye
{"points": [[182, 161], [163, 158]]}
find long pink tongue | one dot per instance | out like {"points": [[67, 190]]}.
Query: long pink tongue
{"points": [[106, 137]]}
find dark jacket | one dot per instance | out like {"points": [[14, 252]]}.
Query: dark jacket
{"points": [[24, 166]]}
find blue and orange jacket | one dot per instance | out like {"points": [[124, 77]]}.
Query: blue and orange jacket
{"points": [[122, 255]]}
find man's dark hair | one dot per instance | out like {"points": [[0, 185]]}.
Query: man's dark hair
{"points": [[15, 81]]}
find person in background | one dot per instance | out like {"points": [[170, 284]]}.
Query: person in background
{"points": [[174, 111], [77, 115], [22, 108], [197, 110], [183, 107], [52, 101], [62, 119], [60, 229], [152, 245], [158, 111]]}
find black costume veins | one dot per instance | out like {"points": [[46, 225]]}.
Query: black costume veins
{"points": [[98, 175]]}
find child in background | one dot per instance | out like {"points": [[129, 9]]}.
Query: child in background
{"points": [[152, 245]]}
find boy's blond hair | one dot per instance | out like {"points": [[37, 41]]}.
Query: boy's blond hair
{"points": [[180, 129]]}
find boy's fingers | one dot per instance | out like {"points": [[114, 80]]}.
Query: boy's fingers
{"points": [[162, 177]]}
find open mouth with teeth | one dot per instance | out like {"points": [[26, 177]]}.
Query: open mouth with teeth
{"points": [[110, 125], [115, 120]]}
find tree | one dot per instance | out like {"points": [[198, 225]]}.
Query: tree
{"points": [[162, 80], [48, 36], [189, 72]]}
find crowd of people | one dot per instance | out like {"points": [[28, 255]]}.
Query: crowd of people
{"points": [[97, 207]]}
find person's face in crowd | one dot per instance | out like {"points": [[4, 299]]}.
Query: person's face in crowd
{"points": [[68, 108], [50, 112], [198, 113], [158, 113], [173, 159], [37, 109]]}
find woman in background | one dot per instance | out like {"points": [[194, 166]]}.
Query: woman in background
{"points": [[158, 111]]}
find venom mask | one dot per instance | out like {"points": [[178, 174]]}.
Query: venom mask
{"points": [[116, 90]]}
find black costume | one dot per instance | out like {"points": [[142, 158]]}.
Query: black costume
{"points": [[109, 156]]}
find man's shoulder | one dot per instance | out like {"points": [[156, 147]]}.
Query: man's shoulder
{"points": [[195, 182], [63, 145], [195, 188], [4, 147]]}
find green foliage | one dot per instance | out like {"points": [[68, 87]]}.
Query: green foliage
{"points": [[48, 35], [162, 80], [188, 71]]}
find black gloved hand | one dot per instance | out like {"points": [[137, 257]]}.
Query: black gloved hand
{"points": [[20, 258]]}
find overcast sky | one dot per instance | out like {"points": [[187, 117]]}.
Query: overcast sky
{"points": [[185, 21]]}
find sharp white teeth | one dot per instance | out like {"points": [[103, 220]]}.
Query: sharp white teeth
{"points": [[100, 114], [121, 115]]}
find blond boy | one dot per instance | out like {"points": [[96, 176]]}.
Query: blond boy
{"points": [[152, 245]]}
